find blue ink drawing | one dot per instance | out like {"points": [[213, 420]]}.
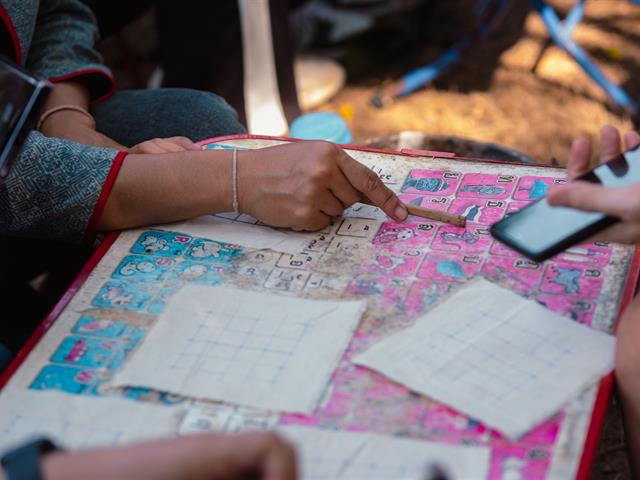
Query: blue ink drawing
{"points": [[425, 184], [483, 189], [567, 278], [450, 268]]}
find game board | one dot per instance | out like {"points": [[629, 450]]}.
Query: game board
{"points": [[401, 269]]}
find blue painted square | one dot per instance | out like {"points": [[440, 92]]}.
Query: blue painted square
{"points": [[144, 268], [93, 352], [196, 272], [68, 379], [215, 252], [124, 296], [99, 327], [156, 242]]}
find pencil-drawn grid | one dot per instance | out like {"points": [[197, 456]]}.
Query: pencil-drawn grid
{"points": [[360, 400], [229, 344], [481, 366], [239, 346]]}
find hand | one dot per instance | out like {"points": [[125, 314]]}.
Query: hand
{"points": [[77, 127], [261, 456], [303, 185], [165, 145], [622, 203]]}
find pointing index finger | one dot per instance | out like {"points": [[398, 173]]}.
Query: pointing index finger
{"points": [[367, 182]]}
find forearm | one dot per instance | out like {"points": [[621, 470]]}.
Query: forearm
{"points": [[72, 124], [161, 188], [69, 93]]}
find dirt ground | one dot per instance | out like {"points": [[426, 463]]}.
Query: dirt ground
{"points": [[513, 89]]}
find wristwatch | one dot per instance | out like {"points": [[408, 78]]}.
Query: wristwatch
{"points": [[23, 463]]}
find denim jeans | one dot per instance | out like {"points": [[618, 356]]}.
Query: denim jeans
{"points": [[133, 116]]}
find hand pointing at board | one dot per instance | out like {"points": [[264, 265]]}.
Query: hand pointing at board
{"points": [[623, 203], [304, 184]]}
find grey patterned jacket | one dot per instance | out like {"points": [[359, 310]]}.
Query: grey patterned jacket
{"points": [[57, 188]]}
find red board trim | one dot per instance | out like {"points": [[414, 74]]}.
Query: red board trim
{"points": [[606, 384]]}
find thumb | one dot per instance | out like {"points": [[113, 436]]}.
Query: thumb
{"points": [[590, 197], [366, 181]]}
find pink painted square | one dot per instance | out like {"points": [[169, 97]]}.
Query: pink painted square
{"points": [[444, 420], [578, 309], [392, 290], [518, 273], [423, 294], [532, 188], [406, 235], [434, 203], [449, 266], [482, 211], [571, 279], [499, 248], [431, 182], [514, 207], [472, 239], [486, 185], [587, 254], [519, 461], [394, 262]]}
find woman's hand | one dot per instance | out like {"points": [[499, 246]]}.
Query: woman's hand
{"points": [[165, 145], [303, 185], [262, 456], [622, 203]]}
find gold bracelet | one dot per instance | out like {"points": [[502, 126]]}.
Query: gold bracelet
{"points": [[59, 108]]}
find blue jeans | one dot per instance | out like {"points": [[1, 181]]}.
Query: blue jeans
{"points": [[133, 116]]}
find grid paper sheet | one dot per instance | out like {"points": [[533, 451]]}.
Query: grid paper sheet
{"points": [[255, 349], [496, 356], [331, 455], [78, 422]]}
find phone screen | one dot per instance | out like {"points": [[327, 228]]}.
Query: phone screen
{"points": [[541, 230]]}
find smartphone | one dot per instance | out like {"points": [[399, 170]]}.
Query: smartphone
{"points": [[539, 231], [21, 97]]}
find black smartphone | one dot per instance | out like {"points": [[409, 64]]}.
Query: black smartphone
{"points": [[539, 231], [21, 97]]}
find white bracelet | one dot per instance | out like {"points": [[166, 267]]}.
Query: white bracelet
{"points": [[234, 175], [60, 108]]}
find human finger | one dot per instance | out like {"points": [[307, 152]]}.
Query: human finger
{"points": [[609, 143], [343, 190], [367, 182], [183, 142], [614, 202], [280, 461], [330, 205], [579, 158], [148, 147], [631, 140]]}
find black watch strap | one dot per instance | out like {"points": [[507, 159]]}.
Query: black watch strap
{"points": [[23, 463]]}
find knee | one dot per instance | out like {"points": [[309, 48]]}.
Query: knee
{"points": [[204, 114]]}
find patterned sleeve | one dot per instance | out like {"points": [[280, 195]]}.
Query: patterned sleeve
{"points": [[57, 189], [63, 47]]}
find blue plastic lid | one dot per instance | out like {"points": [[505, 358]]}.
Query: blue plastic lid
{"points": [[321, 126]]}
